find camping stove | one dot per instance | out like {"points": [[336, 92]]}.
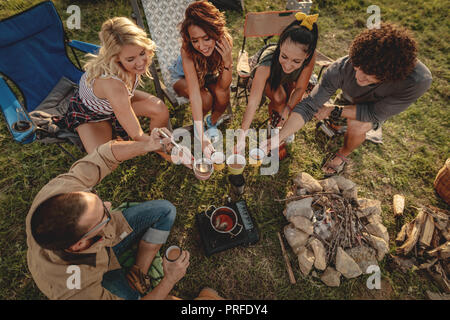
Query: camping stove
{"points": [[214, 241]]}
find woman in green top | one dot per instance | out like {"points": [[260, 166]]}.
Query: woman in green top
{"points": [[283, 71]]}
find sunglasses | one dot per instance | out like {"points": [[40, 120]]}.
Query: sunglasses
{"points": [[104, 222]]}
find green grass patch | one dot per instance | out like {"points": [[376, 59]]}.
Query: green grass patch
{"points": [[415, 147]]}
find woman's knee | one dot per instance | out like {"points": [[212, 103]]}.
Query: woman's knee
{"points": [[180, 88], [157, 108], [221, 99], [162, 108], [207, 100]]}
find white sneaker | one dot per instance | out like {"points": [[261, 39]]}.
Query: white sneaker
{"points": [[290, 139], [211, 130]]}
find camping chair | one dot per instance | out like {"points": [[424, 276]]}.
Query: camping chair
{"points": [[304, 6], [163, 18], [265, 24], [33, 57]]}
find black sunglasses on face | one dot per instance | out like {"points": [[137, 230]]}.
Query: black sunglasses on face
{"points": [[103, 222]]}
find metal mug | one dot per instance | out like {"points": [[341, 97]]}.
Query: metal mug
{"points": [[236, 163], [224, 220], [203, 168], [173, 253], [218, 160], [257, 156], [21, 126], [237, 182]]}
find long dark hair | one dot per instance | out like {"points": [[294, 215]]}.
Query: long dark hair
{"points": [[297, 34], [206, 16]]}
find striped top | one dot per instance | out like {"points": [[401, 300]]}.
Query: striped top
{"points": [[92, 102]]}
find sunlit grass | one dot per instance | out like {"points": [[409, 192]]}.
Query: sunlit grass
{"points": [[415, 148]]}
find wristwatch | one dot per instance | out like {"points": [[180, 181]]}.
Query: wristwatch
{"points": [[336, 113]]}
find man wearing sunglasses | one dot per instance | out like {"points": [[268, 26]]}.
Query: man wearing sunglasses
{"points": [[74, 239]]}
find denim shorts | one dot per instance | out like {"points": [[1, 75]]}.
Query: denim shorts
{"points": [[176, 73], [151, 221]]}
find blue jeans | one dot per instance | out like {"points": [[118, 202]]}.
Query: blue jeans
{"points": [[151, 222]]}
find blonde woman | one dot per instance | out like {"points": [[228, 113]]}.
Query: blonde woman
{"points": [[107, 97]]}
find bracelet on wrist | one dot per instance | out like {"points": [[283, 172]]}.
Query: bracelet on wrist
{"points": [[336, 113], [228, 68]]}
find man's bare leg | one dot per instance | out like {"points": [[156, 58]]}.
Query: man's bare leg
{"points": [[353, 138]]}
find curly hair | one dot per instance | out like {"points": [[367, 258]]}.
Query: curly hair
{"points": [[116, 33], [206, 16], [388, 53]]}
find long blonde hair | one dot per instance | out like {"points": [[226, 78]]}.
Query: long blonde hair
{"points": [[116, 33]]}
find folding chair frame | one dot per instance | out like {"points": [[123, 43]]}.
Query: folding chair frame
{"points": [[267, 34], [10, 99], [161, 90]]}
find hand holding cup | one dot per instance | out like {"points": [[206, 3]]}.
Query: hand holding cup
{"points": [[176, 270]]}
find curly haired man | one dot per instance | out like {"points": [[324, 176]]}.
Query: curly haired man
{"points": [[380, 78]]}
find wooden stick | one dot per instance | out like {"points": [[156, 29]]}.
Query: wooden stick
{"points": [[402, 234], [428, 231], [295, 198], [303, 197], [286, 259], [414, 233], [398, 204]]}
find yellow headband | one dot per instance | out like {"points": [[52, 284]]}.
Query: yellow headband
{"points": [[307, 20]]}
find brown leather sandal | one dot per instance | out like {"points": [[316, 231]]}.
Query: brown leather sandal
{"points": [[337, 169], [138, 280]]}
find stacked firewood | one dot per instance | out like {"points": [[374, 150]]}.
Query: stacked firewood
{"points": [[333, 230], [427, 238]]}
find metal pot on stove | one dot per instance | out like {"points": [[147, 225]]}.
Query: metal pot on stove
{"points": [[224, 220]]}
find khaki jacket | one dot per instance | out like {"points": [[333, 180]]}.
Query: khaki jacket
{"points": [[55, 273]]}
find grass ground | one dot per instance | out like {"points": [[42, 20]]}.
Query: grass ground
{"points": [[415, 147]]}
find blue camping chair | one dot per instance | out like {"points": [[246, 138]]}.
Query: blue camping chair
{"points": [[33, 57]]}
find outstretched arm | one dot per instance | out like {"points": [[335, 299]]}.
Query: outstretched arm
{"points": [[117, 95], [91, 169], [125, 150], [294, 123], [194, 96], [256, 92]]}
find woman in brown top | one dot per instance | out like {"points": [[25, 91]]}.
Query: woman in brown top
{"points": [[283, 71]]}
